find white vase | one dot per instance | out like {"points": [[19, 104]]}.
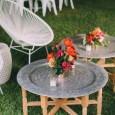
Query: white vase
{"points": [[53, 82], [88, 47]]}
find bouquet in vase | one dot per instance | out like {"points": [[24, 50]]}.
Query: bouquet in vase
{"points": [[96, 37], [62, 58]]}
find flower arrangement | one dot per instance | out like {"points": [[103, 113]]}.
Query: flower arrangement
{"points": [[62, 59], [95, 37]]}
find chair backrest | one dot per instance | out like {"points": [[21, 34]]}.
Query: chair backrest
{"points": [[27, 28]]}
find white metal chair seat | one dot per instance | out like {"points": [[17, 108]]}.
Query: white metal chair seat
{"points": [[25, 29]]}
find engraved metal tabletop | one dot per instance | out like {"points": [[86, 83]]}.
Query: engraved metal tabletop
{"points": [[99, 52], [88, 78]]}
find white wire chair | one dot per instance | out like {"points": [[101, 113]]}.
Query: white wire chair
{"points": [[66, 4], [25, 30]]}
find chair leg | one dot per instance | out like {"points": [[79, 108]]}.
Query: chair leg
{"points": [[44, 8], [54, 7], [49, 6], [11, 44], [36, 6], [29, 56], [60, 5], [66, 2], [72, 6], [31, 4], [1, 90], [46, 50]]}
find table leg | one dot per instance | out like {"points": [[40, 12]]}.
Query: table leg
{"points": [[88, 59], [44, 104], [99, 102], [101, 61], [84, 102], [24, 101]]}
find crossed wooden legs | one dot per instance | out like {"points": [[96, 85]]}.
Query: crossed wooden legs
{"points": [[102, 63], [44, 103]]}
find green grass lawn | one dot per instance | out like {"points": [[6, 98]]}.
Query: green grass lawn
{"points": [[87, 15]]}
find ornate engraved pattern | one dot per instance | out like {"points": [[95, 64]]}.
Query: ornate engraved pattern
{"points": [[88, 79]]}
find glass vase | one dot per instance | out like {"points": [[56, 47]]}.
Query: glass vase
{"points": [[88, 47], [53, 80], [61, 76]]}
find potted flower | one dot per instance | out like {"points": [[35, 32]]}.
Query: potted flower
{"points": [[62, 59], [95, 38]]}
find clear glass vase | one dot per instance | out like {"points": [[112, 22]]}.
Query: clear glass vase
{"points": [[53, 81]]}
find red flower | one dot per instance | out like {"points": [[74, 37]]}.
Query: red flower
{"points": [[90, 39]]}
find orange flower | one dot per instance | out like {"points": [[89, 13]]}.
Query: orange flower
{"points": [[67, 42], [49, 56], [51, 62], [71, 51], [96, 31], [70, 58]]}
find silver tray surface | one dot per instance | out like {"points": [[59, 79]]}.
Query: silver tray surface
{"points": [[99, 52], [88, 78]]}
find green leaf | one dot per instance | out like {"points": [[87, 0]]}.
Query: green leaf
{"points": [[84, 41]]}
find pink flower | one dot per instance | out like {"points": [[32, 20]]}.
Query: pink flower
{"points": [[59, 53], [66, 66], [100, 34], [58, 46], [101, 39]]}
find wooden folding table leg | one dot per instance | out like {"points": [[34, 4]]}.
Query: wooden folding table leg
{"points": [[101, 61], [89, 59], [57, 106], [84, 102], [99, 102], [44, 102], [24, 101]]}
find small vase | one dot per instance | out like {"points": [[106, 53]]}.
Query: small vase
{"points": [[88, 47], [61, 76], [52, 76], [52, 82], [95, 46]]}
